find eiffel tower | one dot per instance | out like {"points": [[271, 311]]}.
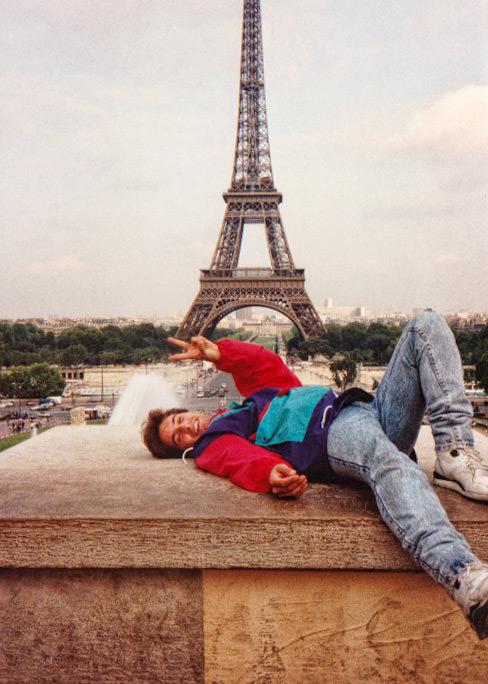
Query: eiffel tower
{"points": [[251, 199]]}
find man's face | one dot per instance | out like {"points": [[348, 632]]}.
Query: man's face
{"points": [[182, 430]]}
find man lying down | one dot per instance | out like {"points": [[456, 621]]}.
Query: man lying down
{"points": [[285, 435]]}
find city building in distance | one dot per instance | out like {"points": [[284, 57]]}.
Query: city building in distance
{"points": [[258, 320]]}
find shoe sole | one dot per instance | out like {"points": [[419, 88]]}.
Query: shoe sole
{"points": [[479, 619], [456, 487]]}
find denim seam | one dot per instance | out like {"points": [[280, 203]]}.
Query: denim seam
{"points": [[458, 441], [427, 347], [365, 471], [399, 532]]}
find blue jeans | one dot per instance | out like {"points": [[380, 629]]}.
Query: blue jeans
{"points": [[371, 443]]}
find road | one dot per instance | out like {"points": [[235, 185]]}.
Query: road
{"points": [[222, 384]]}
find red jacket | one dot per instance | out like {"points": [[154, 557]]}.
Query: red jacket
{"points": [[253, 368]]}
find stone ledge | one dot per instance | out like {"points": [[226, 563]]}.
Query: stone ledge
{"points": [[91, 496]]}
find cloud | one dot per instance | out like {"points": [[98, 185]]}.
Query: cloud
{"points": [[455, 124], [62, 265]]}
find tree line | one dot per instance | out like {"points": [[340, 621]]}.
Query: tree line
{"points": [[24, 344], [371, 344]]}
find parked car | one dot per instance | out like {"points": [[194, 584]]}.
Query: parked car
{"points": [[44, 404]]}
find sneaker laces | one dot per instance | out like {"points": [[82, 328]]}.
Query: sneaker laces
{"points": [[473, 460]]}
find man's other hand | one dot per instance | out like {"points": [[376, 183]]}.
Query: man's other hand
{"points": [[285, 482]]}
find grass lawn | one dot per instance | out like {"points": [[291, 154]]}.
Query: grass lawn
{"points": [[12, 440], [268, 342], [483, 429]]}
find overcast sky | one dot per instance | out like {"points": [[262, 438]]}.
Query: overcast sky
{"points": [[117, 132]]}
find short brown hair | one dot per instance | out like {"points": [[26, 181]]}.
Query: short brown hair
{"points": [[150, 433]]}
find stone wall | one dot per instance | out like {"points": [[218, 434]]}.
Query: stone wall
{"points": [[117, 567]]}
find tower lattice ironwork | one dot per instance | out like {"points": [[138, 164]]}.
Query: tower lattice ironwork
{"points": [[251, 199]]}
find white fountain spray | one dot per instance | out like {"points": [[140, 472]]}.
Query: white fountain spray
{"points": [[141, 394]]}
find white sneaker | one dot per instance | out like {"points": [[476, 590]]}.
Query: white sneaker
{"points": [[464, 470], [471, 594]]}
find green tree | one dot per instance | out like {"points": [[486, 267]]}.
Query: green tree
{"points": [[333, 336], [221, 333], [23, 358], [466, 341], [469, 375], [382, 340], [4, 354], [379, 343], [112, 338], [344, 371], [482, 344], [293, 342], [316, 346], [145, 355], [354, 336], [15, 383], [47, 355], [482, 372], [366, 356], [74, 355], [50, 340], [7, 335], [38, 380], [46, 380], [111, 357]]}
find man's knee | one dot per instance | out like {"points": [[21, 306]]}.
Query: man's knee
{"points": [[428, 319], [429, 323]]}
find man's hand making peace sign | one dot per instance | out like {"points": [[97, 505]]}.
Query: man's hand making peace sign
{"points": [[199, 349]]}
